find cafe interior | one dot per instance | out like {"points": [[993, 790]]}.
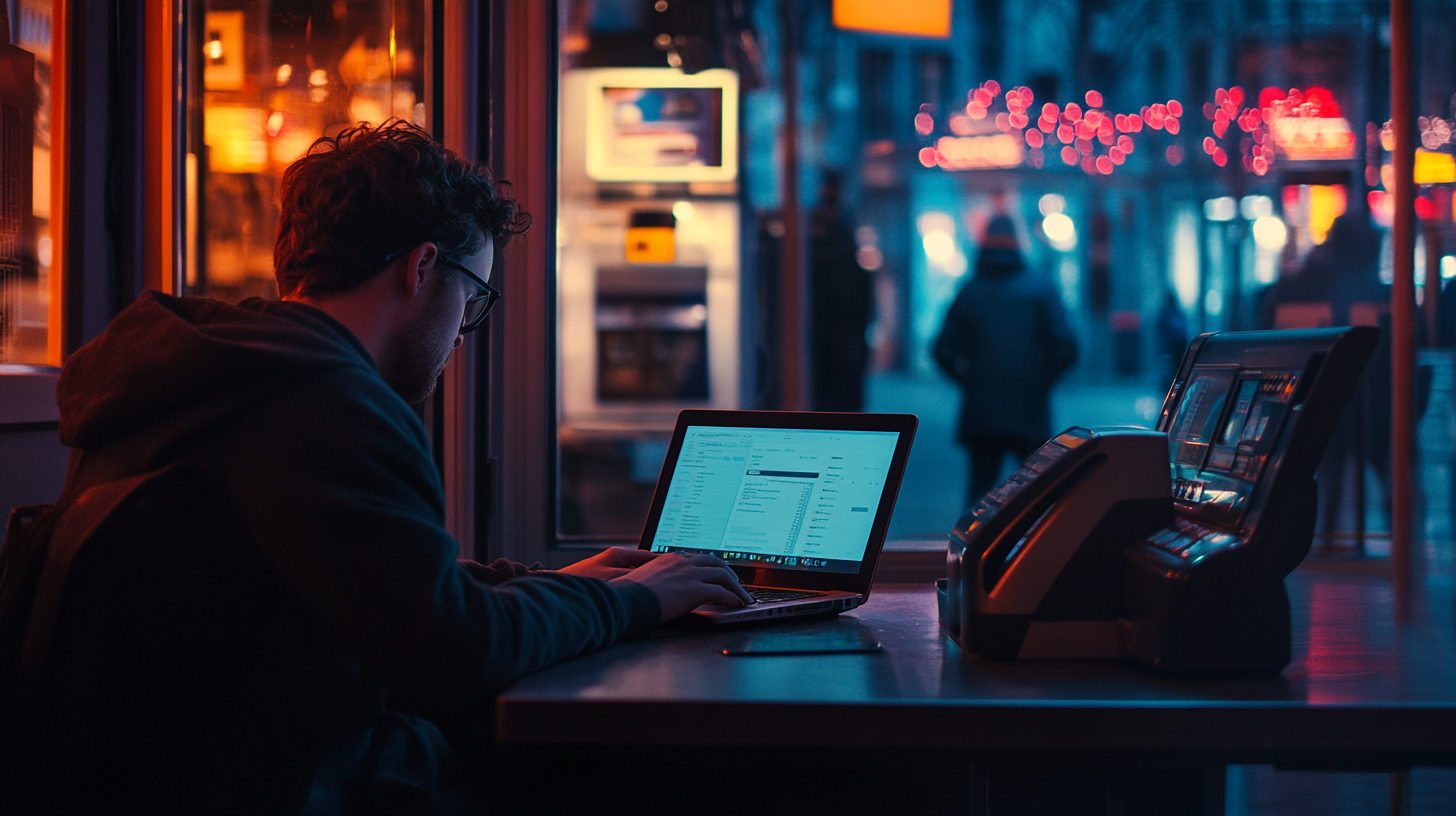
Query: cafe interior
{"points": [[1224, 585]]}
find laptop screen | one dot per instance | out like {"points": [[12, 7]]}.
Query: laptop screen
{"points": [[781, 498]]}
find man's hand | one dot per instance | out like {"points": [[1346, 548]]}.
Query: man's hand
{"points": [[613, 562], [684, 582]]}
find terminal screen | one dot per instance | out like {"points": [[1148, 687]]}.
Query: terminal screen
{"points": [[1220, 438], [778, 498]]}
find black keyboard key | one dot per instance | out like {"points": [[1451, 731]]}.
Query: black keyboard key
{"points": [[771, 595]]}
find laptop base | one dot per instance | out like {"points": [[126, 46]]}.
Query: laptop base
{"points": [[829, 603]]}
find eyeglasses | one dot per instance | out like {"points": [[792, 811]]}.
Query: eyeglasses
{"points": [[478, 305]]}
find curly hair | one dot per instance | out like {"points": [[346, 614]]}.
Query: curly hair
{"points": [[357, 197]]}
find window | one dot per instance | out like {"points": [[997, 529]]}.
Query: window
{"points": [[29, 224], [270, 78]]}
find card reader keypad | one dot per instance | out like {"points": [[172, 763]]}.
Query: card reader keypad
{"points": [[1191, 541]]}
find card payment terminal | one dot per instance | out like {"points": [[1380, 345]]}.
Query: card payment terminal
{"points": [[1167, 546]]}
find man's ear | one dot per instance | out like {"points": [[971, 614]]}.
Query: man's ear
{"points": [[421, 259]]}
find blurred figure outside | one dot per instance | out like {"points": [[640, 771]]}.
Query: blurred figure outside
{"points": [[1171, 336], [841, 300], [1339, 285], [1005, 342]]}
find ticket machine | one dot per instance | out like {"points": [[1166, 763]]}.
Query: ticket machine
{"points": [[1248, 417], [650, 282], [1168, 546]]}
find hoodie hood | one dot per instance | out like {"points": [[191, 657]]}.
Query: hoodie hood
{"points": [[193, 362]]}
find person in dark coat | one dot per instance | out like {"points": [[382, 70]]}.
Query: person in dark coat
{"points": [[841, 306], [1006, 340]]}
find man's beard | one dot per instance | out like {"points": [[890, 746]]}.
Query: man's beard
{"points": [[417, 359]]}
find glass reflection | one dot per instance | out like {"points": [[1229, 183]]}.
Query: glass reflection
{"points": [[275, 76]]}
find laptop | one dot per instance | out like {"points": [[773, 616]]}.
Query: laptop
{"points": [[797, 503]]}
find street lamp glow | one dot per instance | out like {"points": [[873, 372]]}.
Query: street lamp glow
{"points": [[1270, 233], [1060, 231], [1220, 209], [1254, 207], [939, 246]]}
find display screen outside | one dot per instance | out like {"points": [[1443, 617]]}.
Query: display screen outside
{"points": [[664, 127], [775, 497], [1221, 436]]}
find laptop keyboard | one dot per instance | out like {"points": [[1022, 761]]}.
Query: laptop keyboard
{"points": [[770, 595]]}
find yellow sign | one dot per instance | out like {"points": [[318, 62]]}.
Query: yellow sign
{"points": [[911, 18], [651, 244], [1434, 168]]}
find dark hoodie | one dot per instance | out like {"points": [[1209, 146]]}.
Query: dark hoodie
{"points": [[274, 624], [1005, 341]]}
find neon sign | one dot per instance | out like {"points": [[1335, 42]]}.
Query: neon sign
{"points": [[1307, 126], [1000, 150]]}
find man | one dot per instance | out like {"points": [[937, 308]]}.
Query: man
{"points": [[1005, 341], [274, 617], [842, 304]]}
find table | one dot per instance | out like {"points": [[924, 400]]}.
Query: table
{"points": [[1362, 692]]}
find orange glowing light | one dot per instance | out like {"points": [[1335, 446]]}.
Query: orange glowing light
{"points": [[997, 150], [924, 124], [1069, 156], [1326, 203], [1034, 138], [1175, 107], [908, 18], [1046, 125], [1104, 165], [1073, 111], [1094, 99], [1050, 111], [927, 156], [1171, 125]]}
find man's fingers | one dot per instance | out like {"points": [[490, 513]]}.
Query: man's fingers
{"points": [[725, 577], [723, 597], [624, 557]]}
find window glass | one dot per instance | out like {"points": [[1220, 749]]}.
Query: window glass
{"points": [[270, 78], [1111, 177], [26, 249]]}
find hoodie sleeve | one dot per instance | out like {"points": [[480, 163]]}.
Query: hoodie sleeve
{"points": [[334, 480]]}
